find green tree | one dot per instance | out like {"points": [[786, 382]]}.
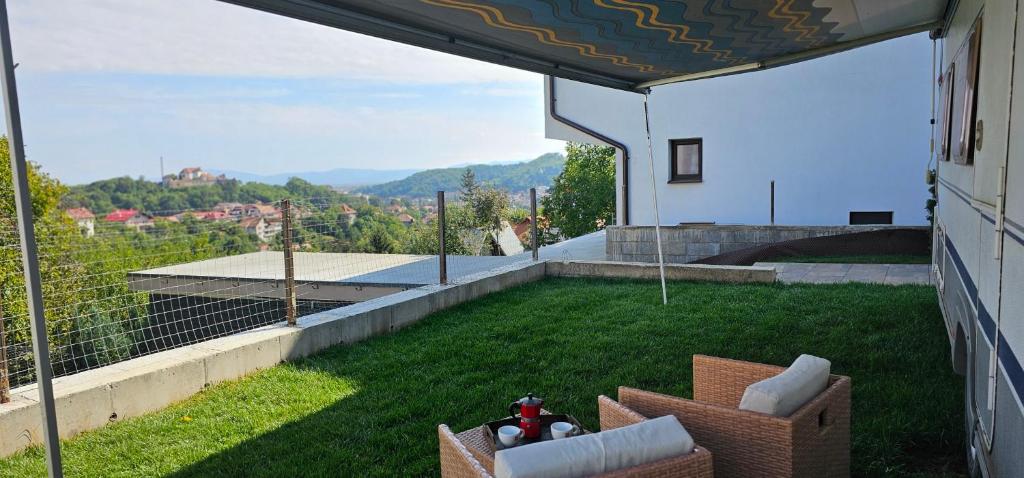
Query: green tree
{"points": [[423, 237], [378, 241], [469, 186], [582, 197], [62, 274]]}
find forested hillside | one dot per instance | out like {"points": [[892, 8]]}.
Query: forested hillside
{"points": [[104, 196], [510, 177]]}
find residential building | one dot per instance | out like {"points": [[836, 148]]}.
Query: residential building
{"points": [[839, 137], [193, 176], [228, 207], [212, 215], [257, 226], [261, 210], [85, 220], [349, 213], [406, 219], [273, 226], [522, 228], [131, 218]]}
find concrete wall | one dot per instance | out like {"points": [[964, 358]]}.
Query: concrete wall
{"points": [[847, 132], [682, 244], [644, 271]]}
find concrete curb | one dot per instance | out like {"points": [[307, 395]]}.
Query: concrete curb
{"points": [[647, 271]]}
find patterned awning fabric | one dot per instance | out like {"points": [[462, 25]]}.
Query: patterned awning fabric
{"points": [[627, 44]]}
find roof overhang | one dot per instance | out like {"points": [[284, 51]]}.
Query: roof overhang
{"points": [[625, 44]]}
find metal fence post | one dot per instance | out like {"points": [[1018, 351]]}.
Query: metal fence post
{"points": [[289, 261], [5, 382], [442, 258], [29, 253], [533, 223]]}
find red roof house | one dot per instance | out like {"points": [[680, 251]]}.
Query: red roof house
{"points": [[80, 214], [120, 215]]}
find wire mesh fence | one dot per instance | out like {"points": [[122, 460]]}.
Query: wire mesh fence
{"points": [[129, 283]]}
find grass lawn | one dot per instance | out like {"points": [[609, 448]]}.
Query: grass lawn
{"points": [[869, 259], [373, 408]]}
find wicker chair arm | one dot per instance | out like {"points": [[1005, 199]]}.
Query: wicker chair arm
{"points": [[698, 464], [821, 432], [456, 461], [722, 381], [744, 443], [615, 415]]}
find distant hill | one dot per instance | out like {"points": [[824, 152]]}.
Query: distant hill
{"points": [[350, 177], [512, 177]]}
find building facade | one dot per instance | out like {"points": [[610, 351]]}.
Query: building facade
{"points": [[844, 138]]}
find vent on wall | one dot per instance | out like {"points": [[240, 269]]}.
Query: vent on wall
{"points": [[870, 217]]}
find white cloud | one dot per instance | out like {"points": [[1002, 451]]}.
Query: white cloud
{"points": [[206, 37]]}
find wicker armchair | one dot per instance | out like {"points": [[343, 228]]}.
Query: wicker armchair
{"points": [[458, 462], [812, 442]]}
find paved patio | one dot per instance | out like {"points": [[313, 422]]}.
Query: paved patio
{"points": [[891, 274]]}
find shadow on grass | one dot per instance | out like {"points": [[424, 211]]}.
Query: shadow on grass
{"points": [[571, 340]]}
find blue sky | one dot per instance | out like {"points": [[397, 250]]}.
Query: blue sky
{"points": [[109, 86]]}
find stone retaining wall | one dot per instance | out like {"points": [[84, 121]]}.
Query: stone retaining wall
{"points": [[688, 243]]}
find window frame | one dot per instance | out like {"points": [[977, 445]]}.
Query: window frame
{"points": [[965, 98], [945, 124], [674, 177]]}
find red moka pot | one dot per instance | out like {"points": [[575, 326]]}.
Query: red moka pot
{"points": [[529, 414]]}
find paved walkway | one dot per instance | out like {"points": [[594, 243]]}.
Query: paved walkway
{"points": [[891, 274], [590, 247]]}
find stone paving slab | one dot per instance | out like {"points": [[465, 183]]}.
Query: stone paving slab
{"points": [[810, 273]]}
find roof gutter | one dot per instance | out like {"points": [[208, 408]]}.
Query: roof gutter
{"points": [[552, 99]]}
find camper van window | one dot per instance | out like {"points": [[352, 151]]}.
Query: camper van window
{"points": [[965, 96], [687, 162], [942, 127]]}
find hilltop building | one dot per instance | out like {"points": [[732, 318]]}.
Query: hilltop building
{"points": [[190, 177]]}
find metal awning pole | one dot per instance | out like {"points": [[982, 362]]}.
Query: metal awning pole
{"points": [[654, 195], [29, 255]]}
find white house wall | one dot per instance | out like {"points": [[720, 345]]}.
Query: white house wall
{"points": [[840, 134]]}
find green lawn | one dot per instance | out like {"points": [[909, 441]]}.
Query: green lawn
{"points": [[373, 408], [868, 259]]}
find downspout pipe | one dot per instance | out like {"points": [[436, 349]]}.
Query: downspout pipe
{"points": [[552, 99]]}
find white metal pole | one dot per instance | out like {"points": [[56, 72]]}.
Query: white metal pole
{"points": [[654, 195], [29, 255]]}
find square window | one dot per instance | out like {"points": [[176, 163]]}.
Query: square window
{"points": [[687, 162]]}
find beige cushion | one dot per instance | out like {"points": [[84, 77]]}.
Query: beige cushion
{"points": [[596, 453], [786, 392]]}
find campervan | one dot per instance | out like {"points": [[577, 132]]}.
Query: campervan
{"points": [[978, 262]]}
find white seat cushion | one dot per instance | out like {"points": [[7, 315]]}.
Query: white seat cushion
{"points": [[645, 442], [786, 392], [596, 453]]}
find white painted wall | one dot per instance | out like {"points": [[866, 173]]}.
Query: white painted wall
{"points": [[848, 132]]}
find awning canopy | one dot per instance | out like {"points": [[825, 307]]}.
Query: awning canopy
{"points": [[625, 44]]}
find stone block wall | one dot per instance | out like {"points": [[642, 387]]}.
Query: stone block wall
{"points": [[688, 243]]}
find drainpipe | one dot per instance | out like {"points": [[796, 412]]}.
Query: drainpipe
{"points": [[583, 129]]}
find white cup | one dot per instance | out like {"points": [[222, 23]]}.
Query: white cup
{"points": [[509, 435], [563, 430]]}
